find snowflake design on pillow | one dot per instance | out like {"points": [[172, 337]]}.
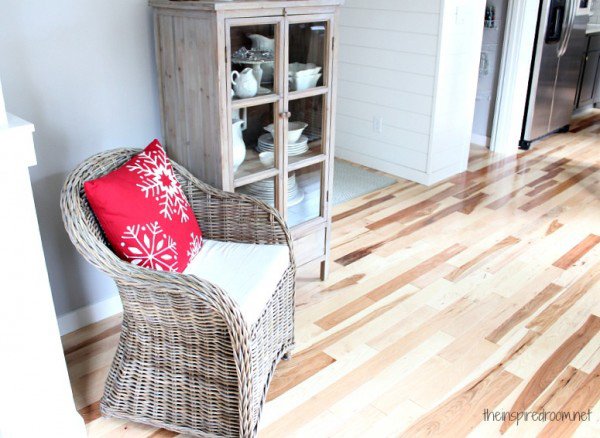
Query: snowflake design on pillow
{"points": [[148, 246], [195, 246], [159, 182]]}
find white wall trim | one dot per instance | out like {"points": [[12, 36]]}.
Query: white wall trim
{"points": [[69, 322], [513, 79], [382, 165]]}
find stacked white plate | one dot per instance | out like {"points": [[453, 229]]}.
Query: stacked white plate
{"points": [[265, 190], [266, 144]]}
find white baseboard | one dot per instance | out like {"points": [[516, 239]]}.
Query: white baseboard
{"points": [[417, 176], [445, 173], [69, 322], [480, 140], [382, 165]]}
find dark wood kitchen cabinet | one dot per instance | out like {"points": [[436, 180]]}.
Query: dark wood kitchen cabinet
{"points": [[589, 82]]}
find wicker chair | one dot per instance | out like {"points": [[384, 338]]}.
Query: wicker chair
{"points": [[186, 360]]}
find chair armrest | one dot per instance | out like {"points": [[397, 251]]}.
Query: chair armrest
{"points": [[190, 308], [234, 217]]}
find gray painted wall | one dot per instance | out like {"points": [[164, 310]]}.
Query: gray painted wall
{"points": [[83, 72]]}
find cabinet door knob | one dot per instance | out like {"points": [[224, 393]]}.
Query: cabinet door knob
{"points": [[286, 115]]}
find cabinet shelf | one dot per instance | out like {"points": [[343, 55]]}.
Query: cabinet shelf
{"points": [[313, 156], [317, 91], [254, 101], [252, 169], [259, 176]]}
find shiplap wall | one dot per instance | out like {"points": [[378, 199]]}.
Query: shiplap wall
{"points": [[389, 68]]}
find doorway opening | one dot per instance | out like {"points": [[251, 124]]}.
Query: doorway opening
{"points": [[494, 25]]}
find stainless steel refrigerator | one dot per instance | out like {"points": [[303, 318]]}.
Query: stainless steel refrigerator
{"points": [[558, 52]]}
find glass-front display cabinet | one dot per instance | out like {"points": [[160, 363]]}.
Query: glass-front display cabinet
{"points": [[247, 93]]}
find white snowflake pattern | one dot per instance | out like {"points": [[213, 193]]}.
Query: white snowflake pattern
{"points": [[159, 182], [148, 246], [195, 246]]}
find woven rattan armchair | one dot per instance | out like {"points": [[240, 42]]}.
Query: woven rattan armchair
{"points": [[186, 360]]}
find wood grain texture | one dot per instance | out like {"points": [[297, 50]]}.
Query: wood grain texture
{"points": [[539, 189], [437, 310], [363, 207], [345, 312], [464, 269], [461, 413], [566, 300], [295, 371], [524, 312], [545, 197], [583, 400], [578, 251], [552, 366]]}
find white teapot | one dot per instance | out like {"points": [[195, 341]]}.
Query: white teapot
{"points": [[261, 42], [244, 84]]}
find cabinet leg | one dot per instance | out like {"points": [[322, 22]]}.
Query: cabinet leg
{"points": [[324, 270]]}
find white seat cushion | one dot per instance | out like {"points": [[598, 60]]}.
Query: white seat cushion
{"points": [[248, 273]]}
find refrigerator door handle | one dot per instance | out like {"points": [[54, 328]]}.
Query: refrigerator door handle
{"points": [[569, 24]]}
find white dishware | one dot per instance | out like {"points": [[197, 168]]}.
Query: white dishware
{"points": [[263, 91], [265, 190], [266, 143], [299, 69], [245, 84], [299, 83], [261, 42], [267, 158], [268, 69], [295, 130], [239, 147]]}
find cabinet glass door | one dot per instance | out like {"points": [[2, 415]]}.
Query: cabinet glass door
{"points": [[308, 54], [253, 53], [308, 117], [254, 77]]}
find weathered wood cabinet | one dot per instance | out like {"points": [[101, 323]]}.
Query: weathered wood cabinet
{"points": [[285, 54]]}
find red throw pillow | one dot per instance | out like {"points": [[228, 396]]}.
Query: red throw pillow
{"points": [[144, 213]]}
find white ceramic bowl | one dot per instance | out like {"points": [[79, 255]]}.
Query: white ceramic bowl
{"points": [[299, 69], [267, 158], [298, 83], [295, 130]]}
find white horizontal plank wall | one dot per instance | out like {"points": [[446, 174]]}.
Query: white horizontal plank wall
{"points": [[387, 64], [407, 84], [456, 87]]}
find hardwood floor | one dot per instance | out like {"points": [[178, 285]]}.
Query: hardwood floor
{"points": [[479, 293]]}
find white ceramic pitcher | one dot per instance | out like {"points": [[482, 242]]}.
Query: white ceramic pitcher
{"points": [[244, 84], [239, 147], [261, 42]]}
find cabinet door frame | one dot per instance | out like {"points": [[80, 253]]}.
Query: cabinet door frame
{"points": [[279, 85], [326, 91]]}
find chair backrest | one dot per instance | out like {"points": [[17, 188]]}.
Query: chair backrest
{"points": [[80, 222]]}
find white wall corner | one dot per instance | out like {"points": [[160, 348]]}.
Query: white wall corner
{"points": [[457, 67], [37, 365]]}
